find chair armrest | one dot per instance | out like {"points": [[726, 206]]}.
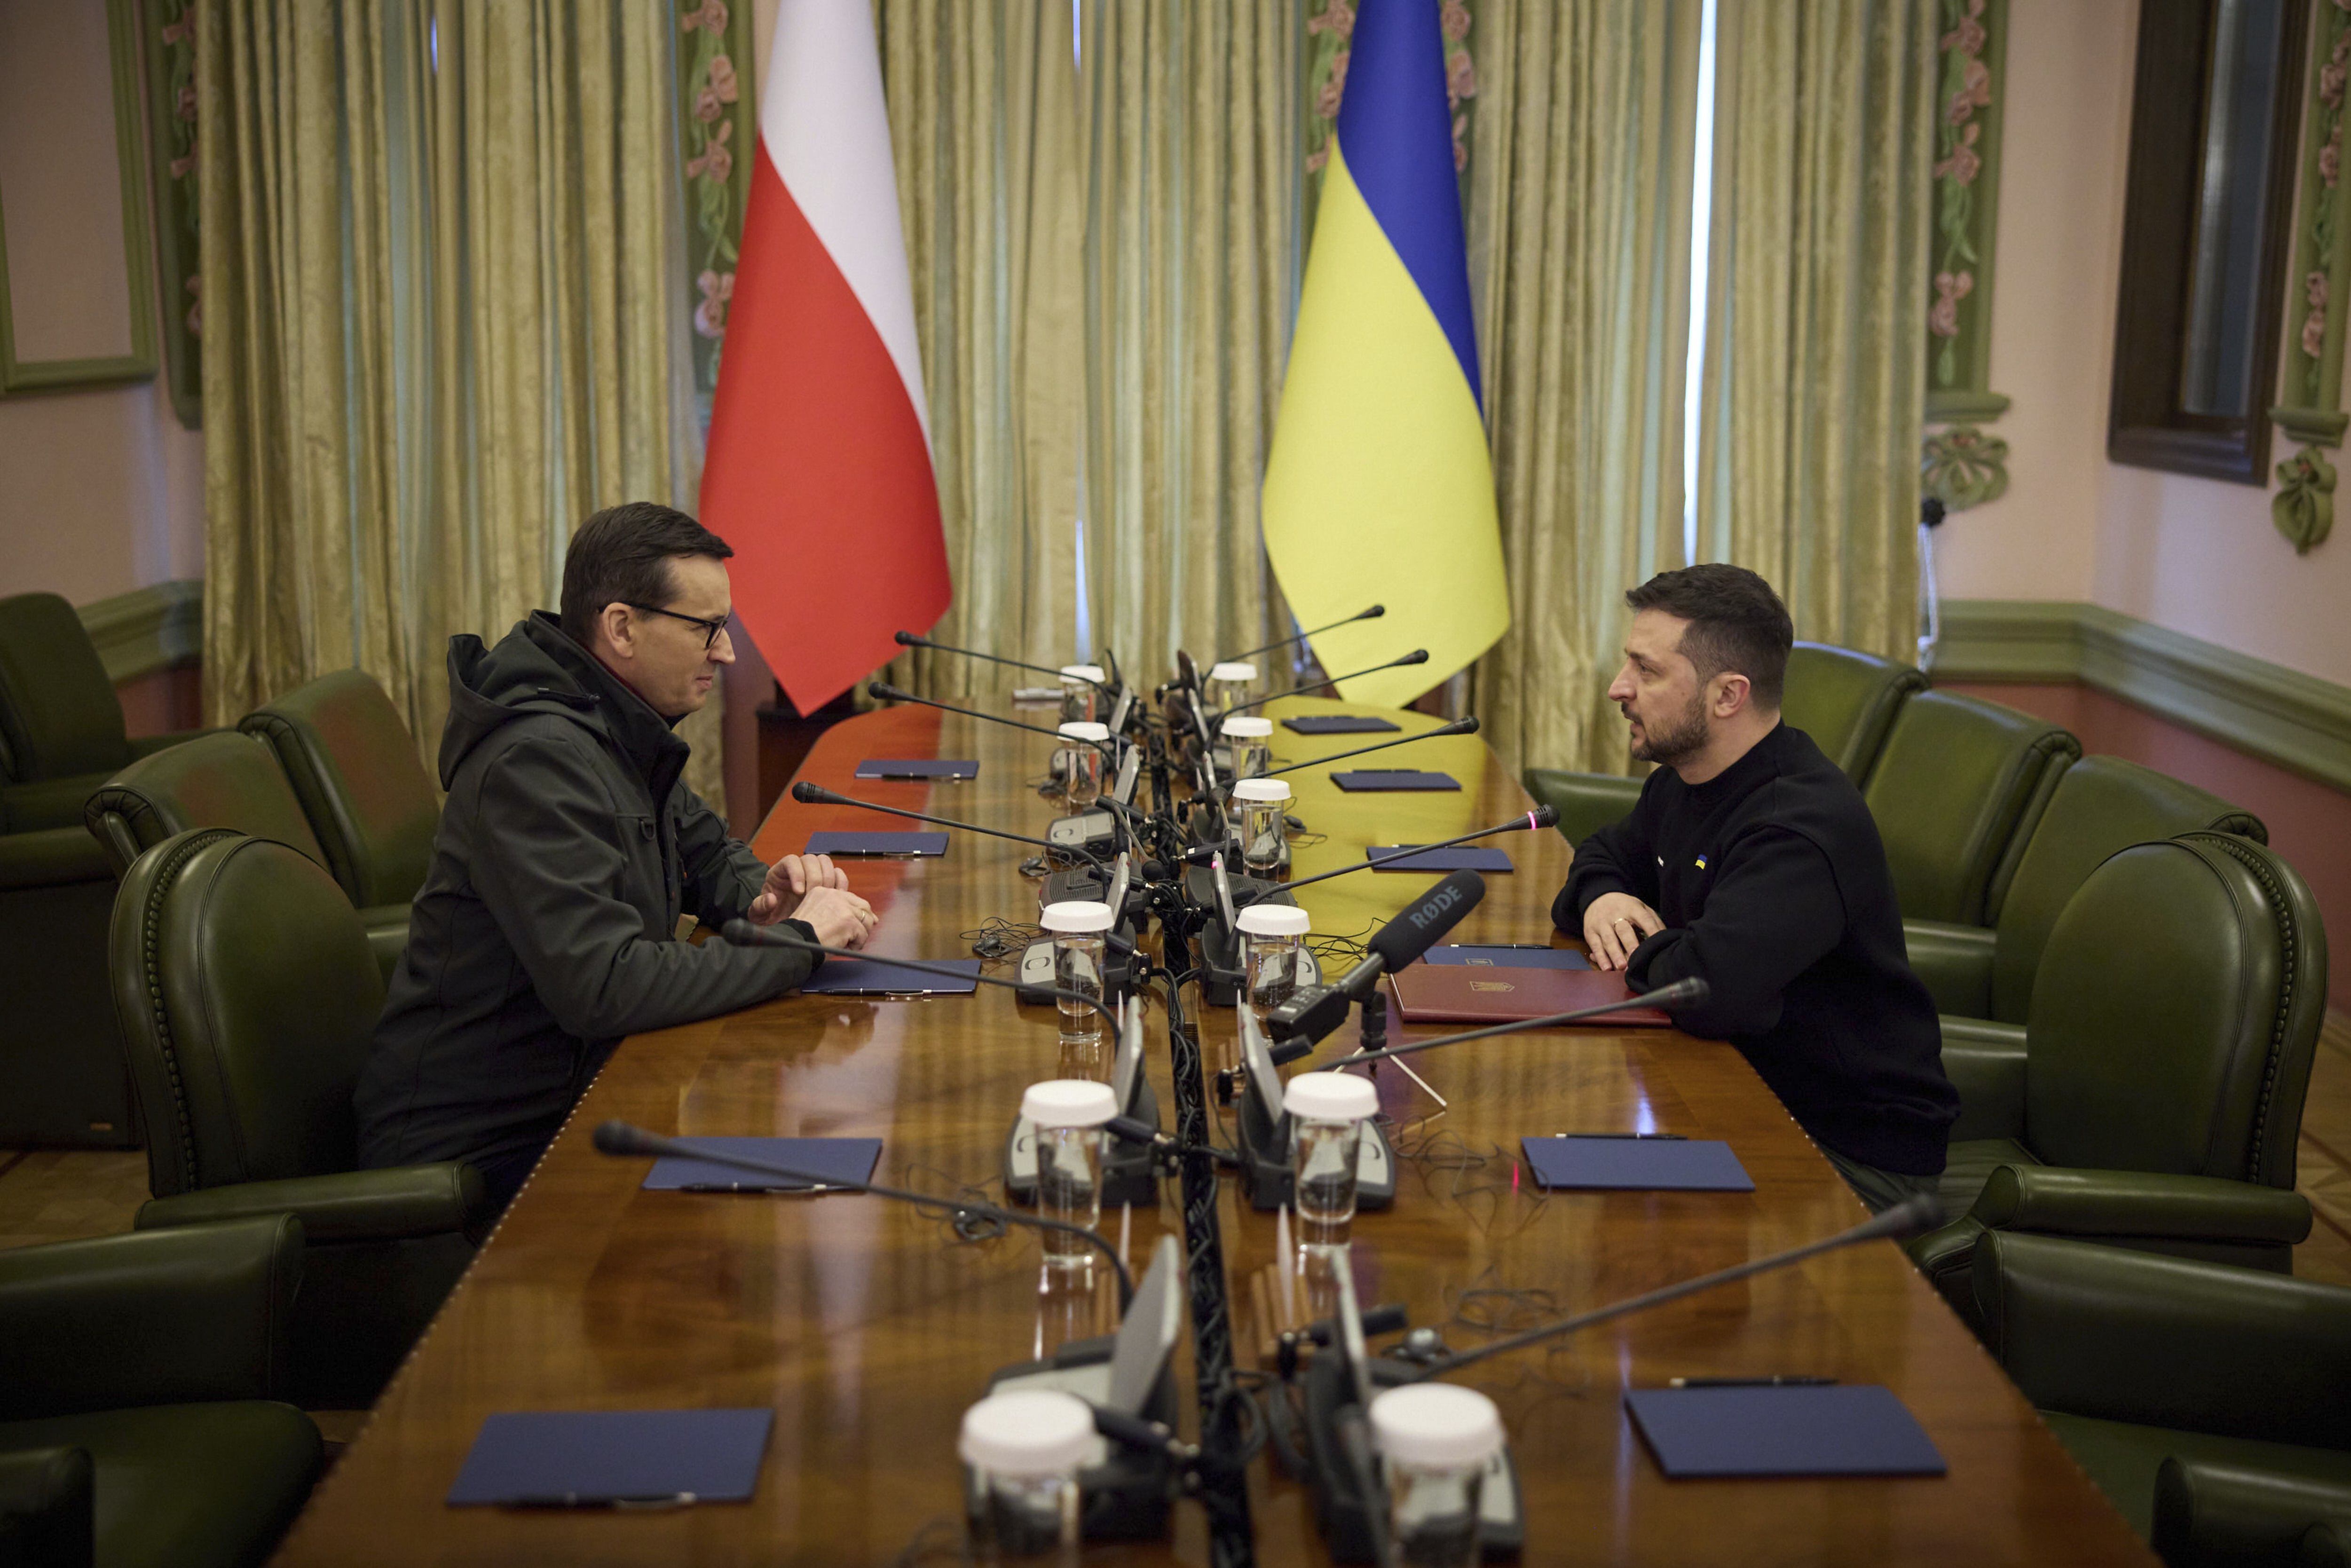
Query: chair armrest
{"points": [[53, 857], [48, 1512], [2209, 1512], [1584, 800], [2126, 1335], [183, 1316], [149, 745], [1985, 1063], [392, 1205], [2056, 1201], [1955, 962]]}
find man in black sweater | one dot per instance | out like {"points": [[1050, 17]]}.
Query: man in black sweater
{"points": [[1751, 861]]}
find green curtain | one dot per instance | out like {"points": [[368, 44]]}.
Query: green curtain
{"points": [[1814, 392], [444, 253], [1579, 192]]}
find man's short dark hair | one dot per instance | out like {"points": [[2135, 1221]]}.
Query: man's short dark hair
{"points": [[622, 556], [1736, 624]]}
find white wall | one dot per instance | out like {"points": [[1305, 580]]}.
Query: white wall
{"points": [[103, 492], [2195, 555]]}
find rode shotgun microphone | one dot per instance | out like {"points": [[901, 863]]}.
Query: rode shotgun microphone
{"points": [[809, 794], [1417, 656], [1316, 1011], [884, 692], [908, 640], [624, 1141], [1908, 1217], [1540, 817], [1373, 613], [743, 933], [1682, 993]]}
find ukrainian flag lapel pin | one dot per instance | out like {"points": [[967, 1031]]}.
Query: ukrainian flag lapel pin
{"points": [[1701, 863]]}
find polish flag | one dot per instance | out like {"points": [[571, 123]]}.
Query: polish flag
{"points": [[819, 471]]}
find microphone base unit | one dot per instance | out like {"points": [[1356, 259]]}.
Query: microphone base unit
{"points": [[1265, 1172], [1222, 959], [1130, 1174], [1088, 833], [1124, 1493], [1339, 1502], [1088, 884]]}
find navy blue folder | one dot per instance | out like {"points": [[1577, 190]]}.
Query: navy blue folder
{"points": [[1364, 778], [1636, 1164], [843, 1159], [1508, 958], [903, 845], [586, 1457], [880, 977], [1460, 857], [1848, 1429], [916, 768], [1337, 724]]}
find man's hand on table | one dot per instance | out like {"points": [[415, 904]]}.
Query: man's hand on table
{"points": [[811, 888], [1613, 925]]}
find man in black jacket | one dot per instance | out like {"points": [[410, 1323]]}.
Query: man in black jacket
{"points": [[1752, 861], [568, 850]]}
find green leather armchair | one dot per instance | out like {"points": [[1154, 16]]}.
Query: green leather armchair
{"points": [[2157, 1097], [61, 734], [2207, 1401], [249, 999], [1845, 700], [2101, 805], [353, 766], [223, 780], [140, 1381]]}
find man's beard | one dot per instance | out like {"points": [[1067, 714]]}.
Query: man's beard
{"points": [[1666, 746]]}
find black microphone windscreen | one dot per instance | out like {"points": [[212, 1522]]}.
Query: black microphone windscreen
{"points": [[1417, 656], [805, 794], [881, 691], [621, 1139], [1419, 925], [1911, 1217], [907, 640], [1469, 725], [1544, 816], [1689, 991], [1373, 613]]}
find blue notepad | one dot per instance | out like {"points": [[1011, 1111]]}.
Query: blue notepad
{"points": [[1858, 1429], [905, 846], [844, 1160], [880, 977], [1636, 1164], [1459, 857], [1508, 958], [916, 768], [1365, 779], [586, 1457], [1337, 724]]}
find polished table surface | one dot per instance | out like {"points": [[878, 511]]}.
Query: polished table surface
{"points": [[868, 1327]]}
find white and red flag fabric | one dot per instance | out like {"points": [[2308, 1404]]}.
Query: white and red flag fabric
{"points": [[818, 469]]}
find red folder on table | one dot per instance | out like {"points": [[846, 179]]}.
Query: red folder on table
{"points": [[1467, 993]]}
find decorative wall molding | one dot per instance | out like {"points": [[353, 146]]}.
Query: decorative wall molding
{"points": [[1962, 465], [2312, 414], [148, 629], [2299, 722], [171, 48], [718, 133]]}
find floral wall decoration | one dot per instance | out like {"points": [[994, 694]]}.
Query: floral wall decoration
{"points": [[1962, 466], [717, 130], [2303, 507], [1329, 29], [169, 44]]}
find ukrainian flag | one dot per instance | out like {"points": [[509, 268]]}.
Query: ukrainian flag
{"points": [[1379, 488]]}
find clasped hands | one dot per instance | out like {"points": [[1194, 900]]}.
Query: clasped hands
{"points": [[1614, 924], [811, 888]]}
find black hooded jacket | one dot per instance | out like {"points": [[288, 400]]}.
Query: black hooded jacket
{"points": [[546, 930]]}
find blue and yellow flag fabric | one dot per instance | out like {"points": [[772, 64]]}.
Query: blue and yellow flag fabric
{"points": [[1379, 488]]}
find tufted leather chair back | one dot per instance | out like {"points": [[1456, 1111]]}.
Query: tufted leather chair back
{"points": [[58, 713], [247, 998], [2174, 1018], [1845, 700], [353, 766], [218, 780]]}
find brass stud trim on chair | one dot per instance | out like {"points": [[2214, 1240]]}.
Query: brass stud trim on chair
{"points": [[2290, 941], [150, 920]]}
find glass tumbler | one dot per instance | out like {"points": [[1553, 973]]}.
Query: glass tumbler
{"points": [[1230, 684], [1273, 942], [1081, 931], [1327, 1111], [1081, 696], [1069, 1114], [1259, 805], [1079, 764], [1021, 1453], [1435, 1440], [1248, 739]]}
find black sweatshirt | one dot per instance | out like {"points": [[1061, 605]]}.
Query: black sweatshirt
{"points": [[1773, 886]]}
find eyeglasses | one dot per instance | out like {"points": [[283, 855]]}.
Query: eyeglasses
{"points": [[711, 630]]}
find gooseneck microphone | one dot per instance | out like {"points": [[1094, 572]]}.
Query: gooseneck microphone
{"points": [[908, 640], [1540, 817], [743, 933], [1908, 1217], [624, 1141], [1457, 727], [884, 692], [1139, 1132], [809, 794], [1316, 1010], [1417, 656], [1683, 993], [1373, 613]]}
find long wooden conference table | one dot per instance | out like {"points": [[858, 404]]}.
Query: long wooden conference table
{"points": [[868, 1327]]}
